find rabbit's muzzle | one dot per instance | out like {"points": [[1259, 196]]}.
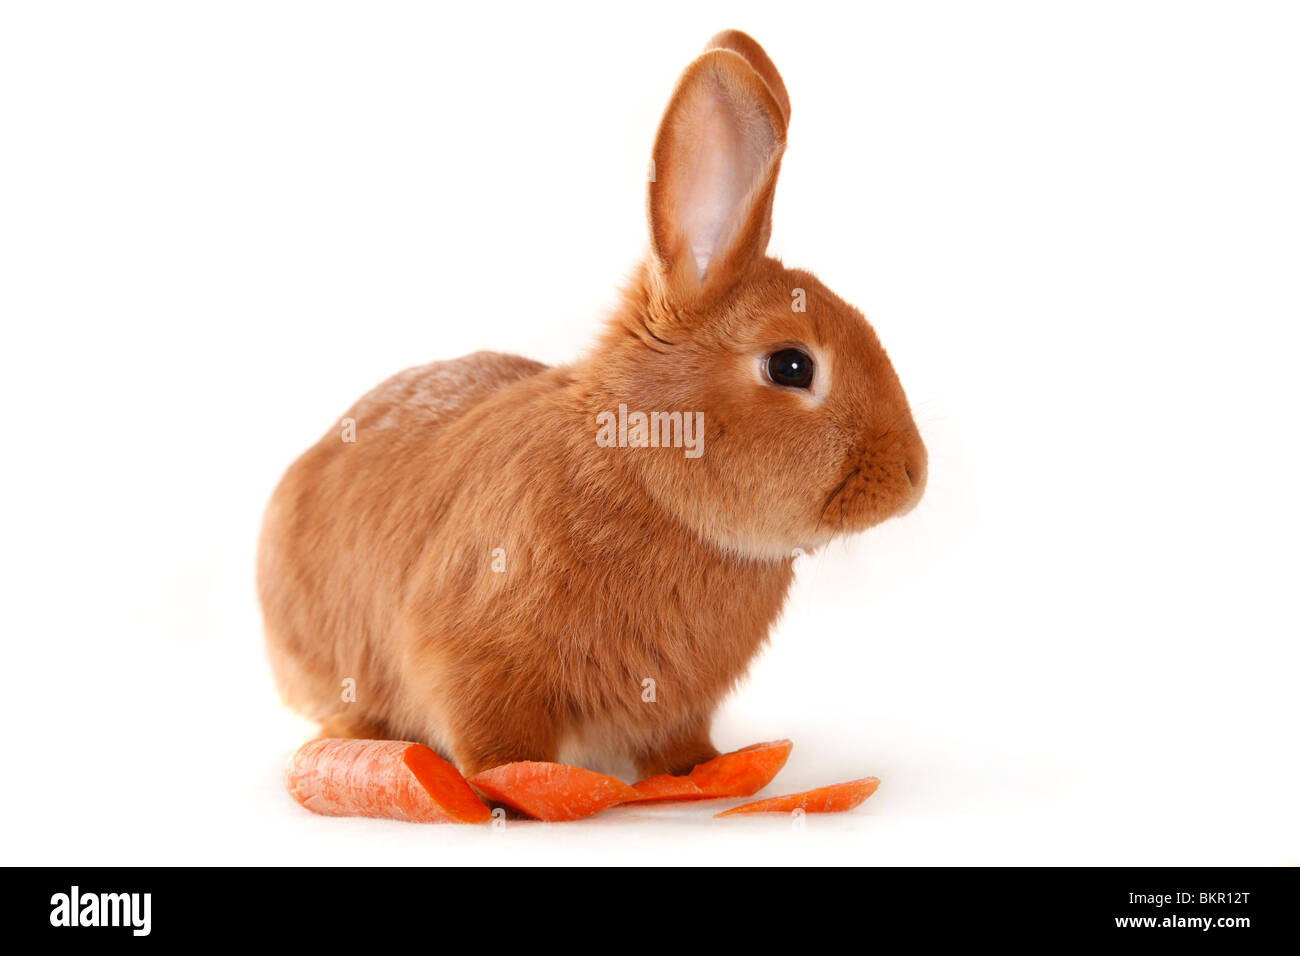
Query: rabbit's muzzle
{"points": [[879, 483]]}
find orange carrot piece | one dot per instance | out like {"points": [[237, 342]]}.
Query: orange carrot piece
{"points": [[742, 772], [664, 787], [836, 798], [393, 779], [736, 774], [551, 791]]}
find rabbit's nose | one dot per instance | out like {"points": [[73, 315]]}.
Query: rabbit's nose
{"points": [[916, 465]]}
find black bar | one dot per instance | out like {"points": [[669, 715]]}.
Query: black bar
{"points": [[1243, 906]]}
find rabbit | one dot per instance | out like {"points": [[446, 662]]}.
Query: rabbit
{"points": [[478, 571]]}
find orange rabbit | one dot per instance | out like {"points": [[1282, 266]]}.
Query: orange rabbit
{"points": [[502, 561]]}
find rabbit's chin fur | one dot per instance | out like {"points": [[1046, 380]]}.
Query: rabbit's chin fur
{"points": [[465, 561]]}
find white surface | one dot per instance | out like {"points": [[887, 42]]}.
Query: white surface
{"points": [[1075, 228]]}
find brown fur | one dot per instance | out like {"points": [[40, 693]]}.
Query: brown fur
{"points": [[621, 564]]}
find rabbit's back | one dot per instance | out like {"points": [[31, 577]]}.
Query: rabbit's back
{"points": [[439, 391]]}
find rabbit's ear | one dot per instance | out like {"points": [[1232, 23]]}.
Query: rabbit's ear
{"points": [[759, 61], [716, 159]]}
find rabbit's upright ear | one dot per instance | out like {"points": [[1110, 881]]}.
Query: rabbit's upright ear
{"points": [[716, 159], [759, 61]]}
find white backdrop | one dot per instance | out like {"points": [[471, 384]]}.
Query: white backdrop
{"points": [[1073, 225]]}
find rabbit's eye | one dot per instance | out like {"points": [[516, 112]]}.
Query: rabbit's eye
{"points": [[790, 367]]}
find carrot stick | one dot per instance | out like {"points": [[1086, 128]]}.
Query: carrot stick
{"points": [[551, 791], [742, 772], [393, 779], [836, 798]]}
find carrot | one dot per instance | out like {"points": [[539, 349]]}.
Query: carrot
{"points": [[742, 772], [551, 791], [836, 798], [394, 779], [664, 787], [735, 774]]}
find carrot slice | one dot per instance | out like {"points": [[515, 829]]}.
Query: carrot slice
{"points": [[836, 798], [551, 791], [742, 772], [736, 774], [664, 786], [393, 779]]}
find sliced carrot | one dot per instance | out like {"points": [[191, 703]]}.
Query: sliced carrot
{"points": [[836, 798], [551, 791], [736, 774], [664, 786], [394, 779], [742, 772]]}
